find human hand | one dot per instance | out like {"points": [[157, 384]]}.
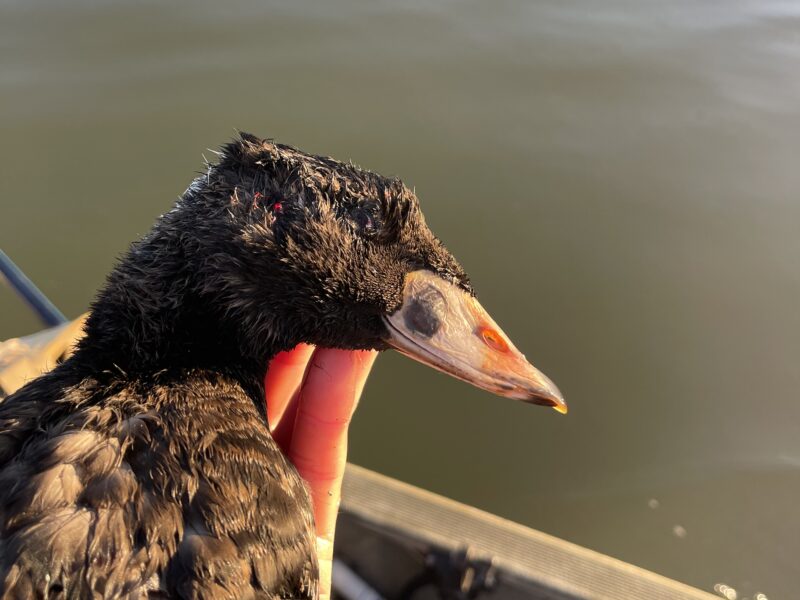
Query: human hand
{"points": [[312, 394]]}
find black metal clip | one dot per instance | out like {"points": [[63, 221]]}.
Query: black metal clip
{"points": [[456, 574]]}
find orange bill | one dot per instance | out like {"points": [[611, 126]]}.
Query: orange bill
{"points": [[442, 326]]}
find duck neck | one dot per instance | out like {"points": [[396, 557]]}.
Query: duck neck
{"points": [[151, 320]]}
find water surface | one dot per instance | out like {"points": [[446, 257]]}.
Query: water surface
{"points": [[620, 178]]}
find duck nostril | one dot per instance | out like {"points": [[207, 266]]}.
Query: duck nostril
{"points": [[492, 339]]}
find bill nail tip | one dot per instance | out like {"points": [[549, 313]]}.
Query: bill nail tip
{"points": [[558, 405]]}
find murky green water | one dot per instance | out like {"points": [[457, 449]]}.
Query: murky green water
{"points": [[620, 178]]}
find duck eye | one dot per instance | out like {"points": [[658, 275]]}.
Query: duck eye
{"points": [[365, 219]]}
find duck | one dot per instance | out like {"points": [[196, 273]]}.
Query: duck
{"points": [[143, 466]]}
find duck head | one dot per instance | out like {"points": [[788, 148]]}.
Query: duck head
{"points": [[273, 247], [329, 254]]}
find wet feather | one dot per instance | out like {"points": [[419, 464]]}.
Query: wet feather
{"points": [[143, 465]]}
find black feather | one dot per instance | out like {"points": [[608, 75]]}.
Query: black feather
{"points": [[144, 463]]}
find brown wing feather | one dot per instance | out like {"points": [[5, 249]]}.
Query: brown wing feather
{"points": [[180, 491]]}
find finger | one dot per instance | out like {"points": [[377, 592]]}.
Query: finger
{"points": [[325, 562], [318, 448], [282, 382], [330, 393]]}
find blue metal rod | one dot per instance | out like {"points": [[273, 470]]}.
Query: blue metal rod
{"points": [[32, 295]]}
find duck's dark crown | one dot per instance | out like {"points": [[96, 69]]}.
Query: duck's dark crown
{"points": [[268, 248]]}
